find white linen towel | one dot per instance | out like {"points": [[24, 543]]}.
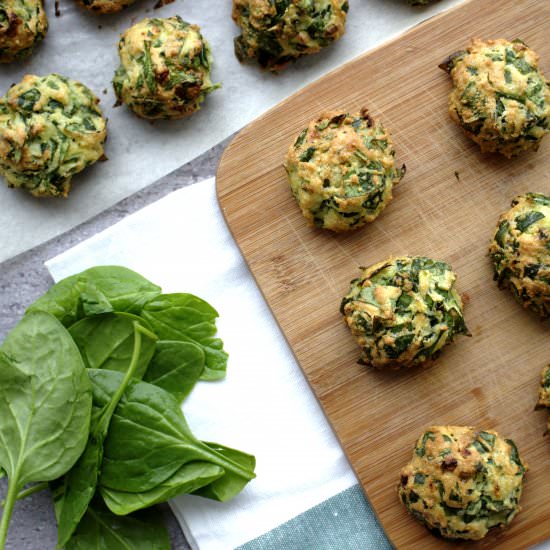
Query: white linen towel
{"points": [[264, 406]]}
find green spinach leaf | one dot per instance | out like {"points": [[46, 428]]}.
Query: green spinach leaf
{"points": [[149, 439], [107, 341], [229, 485], [100, 289], [80, 483], [100, 529], [187, 318], [190, 477], [175, 367], [45, 404]]}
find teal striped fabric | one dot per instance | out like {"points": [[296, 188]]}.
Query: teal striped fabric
{"points": [[343, 522]]}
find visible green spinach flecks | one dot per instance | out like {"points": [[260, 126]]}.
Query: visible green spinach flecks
{"points": [[528, 219], [190, 477], [419, 479], [514, 455], [107, 341], [45, 404], [307, 155], [487, 440], [176, 367], [149, 439], [413, 333], [300, 138], [187, 318], [80, 483], [421, 448], [101, 529], [148, 67], [503, 229], [27, 100], [120, 289]]}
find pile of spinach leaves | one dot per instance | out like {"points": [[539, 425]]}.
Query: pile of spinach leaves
{"points": [[91, 384]]}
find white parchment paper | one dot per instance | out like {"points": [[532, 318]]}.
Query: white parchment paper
{"points": [[83, 46]]}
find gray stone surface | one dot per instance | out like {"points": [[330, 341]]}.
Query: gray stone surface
{"points": [[24, 278]]}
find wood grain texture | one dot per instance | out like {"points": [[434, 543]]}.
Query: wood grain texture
{"points": [[489, 380]]}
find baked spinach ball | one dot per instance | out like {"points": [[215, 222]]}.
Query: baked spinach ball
{"points": [[520, 251], [544, 393], [164, 68], [341, 170], [276, 32], [462, 482], [500, 97], [50, 129], [23, 24], [106, 6], [403, 311]]}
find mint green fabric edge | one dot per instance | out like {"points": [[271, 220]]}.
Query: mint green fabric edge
{"points": [[343, 522]]}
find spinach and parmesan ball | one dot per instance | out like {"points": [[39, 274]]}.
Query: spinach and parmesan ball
{"points": [[520, 251], [403, 311], [50, 129], [544, 393], [500, 97], [106, 6], [277, 32], [23, 24], [164, 70], [461, 482], [341, 170]]}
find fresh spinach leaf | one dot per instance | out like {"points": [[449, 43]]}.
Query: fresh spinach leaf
{"points": [[77, 490], [187, 318], [190, 477], [107, 341], [80, 483], [230, 484], [45, 404], [100, 289], [198, 478], [100, 529], [92, 300], [175, 367], [149, 439]]}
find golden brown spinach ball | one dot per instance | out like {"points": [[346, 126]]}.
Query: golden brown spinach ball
{"points": [[106, 6], [500, 97], [341, 170], [544, 394], [164, 68], [520, 251], [50, 128], [23, 24], [274, 33], [403, 311], [462, 482]]}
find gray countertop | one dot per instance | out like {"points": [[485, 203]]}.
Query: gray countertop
{"points": [[24, 278]]}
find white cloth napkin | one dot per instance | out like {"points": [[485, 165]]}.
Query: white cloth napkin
{"points": [[265, 405]]}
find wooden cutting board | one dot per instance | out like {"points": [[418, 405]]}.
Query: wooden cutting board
{"points": [[489, 380]]}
